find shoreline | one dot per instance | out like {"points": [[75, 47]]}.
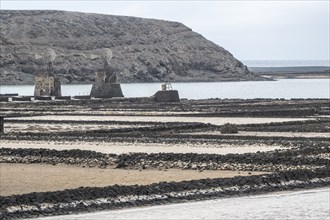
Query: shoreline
{"points": [[266, 77], [154, 82], [298, 72], [268, 74]]}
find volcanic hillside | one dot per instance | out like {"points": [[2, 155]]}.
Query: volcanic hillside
{"points": [[145, 50]]}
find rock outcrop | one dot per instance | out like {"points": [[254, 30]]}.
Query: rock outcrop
{"points": [[144, 50]]}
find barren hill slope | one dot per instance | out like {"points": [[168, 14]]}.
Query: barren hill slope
{"points": [[145, 50]]}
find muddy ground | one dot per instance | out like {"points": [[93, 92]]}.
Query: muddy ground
{"points": [[87, 155]]}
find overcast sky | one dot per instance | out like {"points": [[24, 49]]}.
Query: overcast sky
{"points": [[250, 30]]}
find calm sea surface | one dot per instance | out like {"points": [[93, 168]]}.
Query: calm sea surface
{"points": [[285, 63], [284, 88], [308, 204]]}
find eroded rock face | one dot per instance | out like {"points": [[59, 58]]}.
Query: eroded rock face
{"points": [[144, 50]]}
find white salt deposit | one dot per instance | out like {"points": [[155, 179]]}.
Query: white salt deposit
{"points": [[307, 204]]}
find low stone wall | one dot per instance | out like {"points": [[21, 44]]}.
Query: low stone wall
{"points": [[301, 167], [319, 125], [196, 108], [87, 199], [82, 97], [22, 98], [151, 135], [278, 160], [4, 99], [261, 113], [8, 94], [43, 98], [73, 122], [62, 97]]}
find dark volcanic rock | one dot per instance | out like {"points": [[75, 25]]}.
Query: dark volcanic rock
{"points": [[119, 196], [145, 50]]}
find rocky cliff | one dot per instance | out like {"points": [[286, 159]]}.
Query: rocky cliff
{"points": [[145, 50]]}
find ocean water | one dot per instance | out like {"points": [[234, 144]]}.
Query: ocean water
{"points": [[285, 63], [283, 88], [307, 204]]}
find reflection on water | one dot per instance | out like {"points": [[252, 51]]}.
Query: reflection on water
{"points": [[284, 88]]}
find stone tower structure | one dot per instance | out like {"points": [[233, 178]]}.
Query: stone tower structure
{"points": [[167, 94], [105, 85], [46, 83]]}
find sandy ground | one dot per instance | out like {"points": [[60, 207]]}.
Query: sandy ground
{"points": [[120, 147], [25, 178], [211, 120]]}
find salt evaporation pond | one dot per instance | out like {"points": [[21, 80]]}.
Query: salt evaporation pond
{"points": [[306, 204]]}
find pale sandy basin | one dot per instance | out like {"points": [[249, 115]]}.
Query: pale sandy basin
{"points": [[211, 120], [25, 178], [302, 205], [267, 134], [19, 127], [122, 147]]}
